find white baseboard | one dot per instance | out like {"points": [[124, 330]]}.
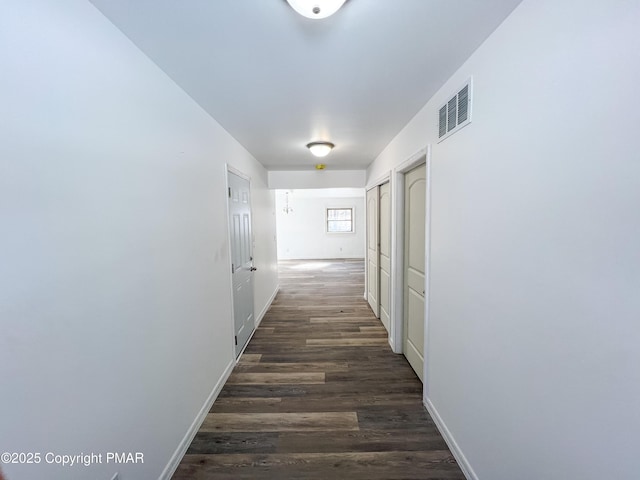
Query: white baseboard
{"points": [[451, 443], [183, 446], [176, 458], [267, 306], [258, 321]]}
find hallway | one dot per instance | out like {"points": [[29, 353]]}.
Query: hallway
{"points": [[318, 394]]}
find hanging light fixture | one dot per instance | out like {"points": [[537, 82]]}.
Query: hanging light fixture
{"points": [[320, 149], [287, 209], [316, 9]]}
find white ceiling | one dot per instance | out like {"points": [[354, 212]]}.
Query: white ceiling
{"points": [[326, 192], [276, 80]]}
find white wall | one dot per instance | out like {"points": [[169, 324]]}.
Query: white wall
{"points": [[302, 233], [115, 294], [265, 253], [533, 333], [315, 179]]}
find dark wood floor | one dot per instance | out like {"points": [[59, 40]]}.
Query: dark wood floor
{"points": [[318, 394]]}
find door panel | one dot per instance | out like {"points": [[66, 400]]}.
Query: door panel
{"points": [[241, 258], [372, 249], [384, 259], [414, 276]]}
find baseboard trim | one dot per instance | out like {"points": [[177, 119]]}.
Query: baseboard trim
{"points": [[176, 458], [258, 321], [451, 443], [391, 343], [267, 306], [183, 446]]}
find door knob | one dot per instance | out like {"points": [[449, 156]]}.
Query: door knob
{"points": [[253, 269]]}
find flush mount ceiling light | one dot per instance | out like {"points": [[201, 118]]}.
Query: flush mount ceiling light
{"points": [[320, 149], [316, 9]]}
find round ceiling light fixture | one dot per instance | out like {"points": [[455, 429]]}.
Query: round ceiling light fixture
{"points": [[320, 149], [316, 9]]}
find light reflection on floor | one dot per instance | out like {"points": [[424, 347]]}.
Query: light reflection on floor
{"points": [[311, 265]]}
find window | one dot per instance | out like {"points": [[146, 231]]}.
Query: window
{"points": [[339, 220]]}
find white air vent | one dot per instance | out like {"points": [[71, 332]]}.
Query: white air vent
{"points": [[455, 113]]}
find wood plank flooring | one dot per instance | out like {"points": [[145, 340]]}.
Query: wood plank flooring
{"points": [[318, 394]]}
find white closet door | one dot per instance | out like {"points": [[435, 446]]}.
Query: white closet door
{"points": [[384, 258], [414, 265]]}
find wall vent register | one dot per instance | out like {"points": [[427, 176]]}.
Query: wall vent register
{"points": [[455, 113]]}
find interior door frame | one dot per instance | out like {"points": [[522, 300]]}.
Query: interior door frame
{"points": [[367, 237], [423, 156], [229, 169]]}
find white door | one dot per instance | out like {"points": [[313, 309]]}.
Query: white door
{"points": [[414, 264], [372, 249], [384, 258], [241, 258]]}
